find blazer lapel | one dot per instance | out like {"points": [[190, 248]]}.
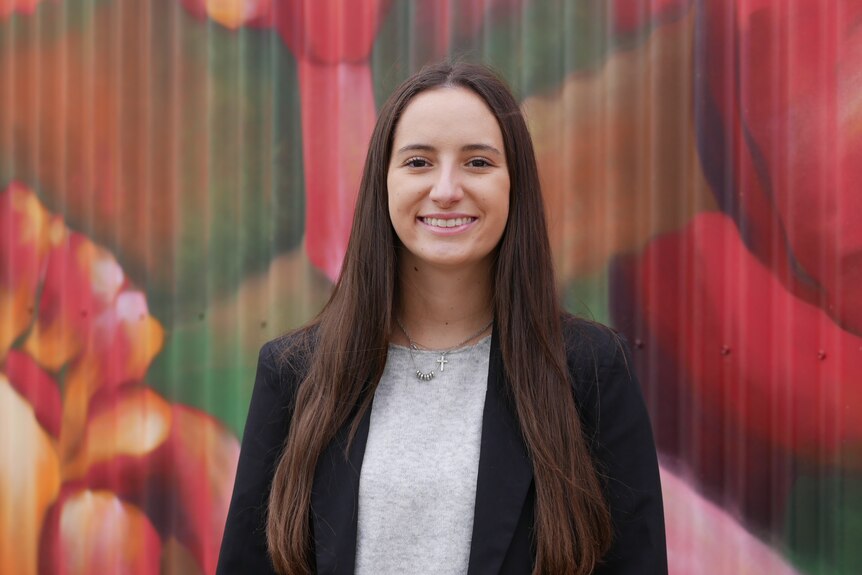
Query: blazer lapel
{"points": [[505, 473], [335, 501]]}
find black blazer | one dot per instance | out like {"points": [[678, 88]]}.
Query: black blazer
{"points": [[614, 420]]}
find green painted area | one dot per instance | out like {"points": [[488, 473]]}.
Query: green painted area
{"points": [[535, 47], [824, 520], [550, 40], [250, 205], [49, 22], [206, 369], [587, 297], [209, 361]]}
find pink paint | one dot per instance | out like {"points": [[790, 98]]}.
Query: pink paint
{"points": [[704, 539]]}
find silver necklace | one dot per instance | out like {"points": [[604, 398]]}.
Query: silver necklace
{"points": [[429, 375]]}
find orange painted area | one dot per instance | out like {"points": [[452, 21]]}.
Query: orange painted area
{"points": [[90, 322], [616, 152], [29, 482]]}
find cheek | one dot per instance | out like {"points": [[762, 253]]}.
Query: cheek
{"points": [[394, 192], [501, 198], [503, 223], [397, 208], [403, 201]]}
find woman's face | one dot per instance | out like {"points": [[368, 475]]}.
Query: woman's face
{"points": [[448, 183]]}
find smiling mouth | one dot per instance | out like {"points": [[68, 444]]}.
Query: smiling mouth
{"points": [[447, 222]]}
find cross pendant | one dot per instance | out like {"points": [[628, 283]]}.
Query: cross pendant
{"points": [[442, 361]]}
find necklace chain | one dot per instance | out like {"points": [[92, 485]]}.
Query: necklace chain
{"points": [[429, 375]]}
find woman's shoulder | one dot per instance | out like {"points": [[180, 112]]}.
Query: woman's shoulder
{"points": [[591, 345], [599, 363], [288, 355], [616, 426]]}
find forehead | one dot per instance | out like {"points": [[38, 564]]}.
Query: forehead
{"points": [[450, 114]]}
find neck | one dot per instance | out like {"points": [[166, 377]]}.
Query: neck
{"points": [[442, 307]]}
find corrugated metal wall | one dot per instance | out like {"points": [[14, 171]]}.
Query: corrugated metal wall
{"points": [[176, 187]]}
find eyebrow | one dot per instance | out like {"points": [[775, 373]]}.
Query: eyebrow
{"points": [[467, 148]]}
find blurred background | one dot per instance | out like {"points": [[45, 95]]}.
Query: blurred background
{"points": [[177, 180]]}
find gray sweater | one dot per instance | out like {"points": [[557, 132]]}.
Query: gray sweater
{"points": [[417, 486]]}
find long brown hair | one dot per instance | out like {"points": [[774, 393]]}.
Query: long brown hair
{"points": [[350, 341]]}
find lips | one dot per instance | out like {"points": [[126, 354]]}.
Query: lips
{"points": [[447, 222]]}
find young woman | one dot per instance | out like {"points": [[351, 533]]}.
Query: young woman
{"points": [[441, 414]]}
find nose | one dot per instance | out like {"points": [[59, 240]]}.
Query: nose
{"points": [[447, 189]]}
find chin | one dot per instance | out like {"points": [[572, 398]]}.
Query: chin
{"points": [[457, 263]]}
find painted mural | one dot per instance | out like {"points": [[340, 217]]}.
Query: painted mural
{"points": [[176, 187]]}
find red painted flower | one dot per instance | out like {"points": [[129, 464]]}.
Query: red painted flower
{"points": [[88, 483], [758, 353], [740, 373], [778, 115], [332, 41]]}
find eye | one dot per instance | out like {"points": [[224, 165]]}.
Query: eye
{"points": [[479, 163], [416, 162]]}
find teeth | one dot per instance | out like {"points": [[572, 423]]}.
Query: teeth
{"points": [[449, 223]]}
